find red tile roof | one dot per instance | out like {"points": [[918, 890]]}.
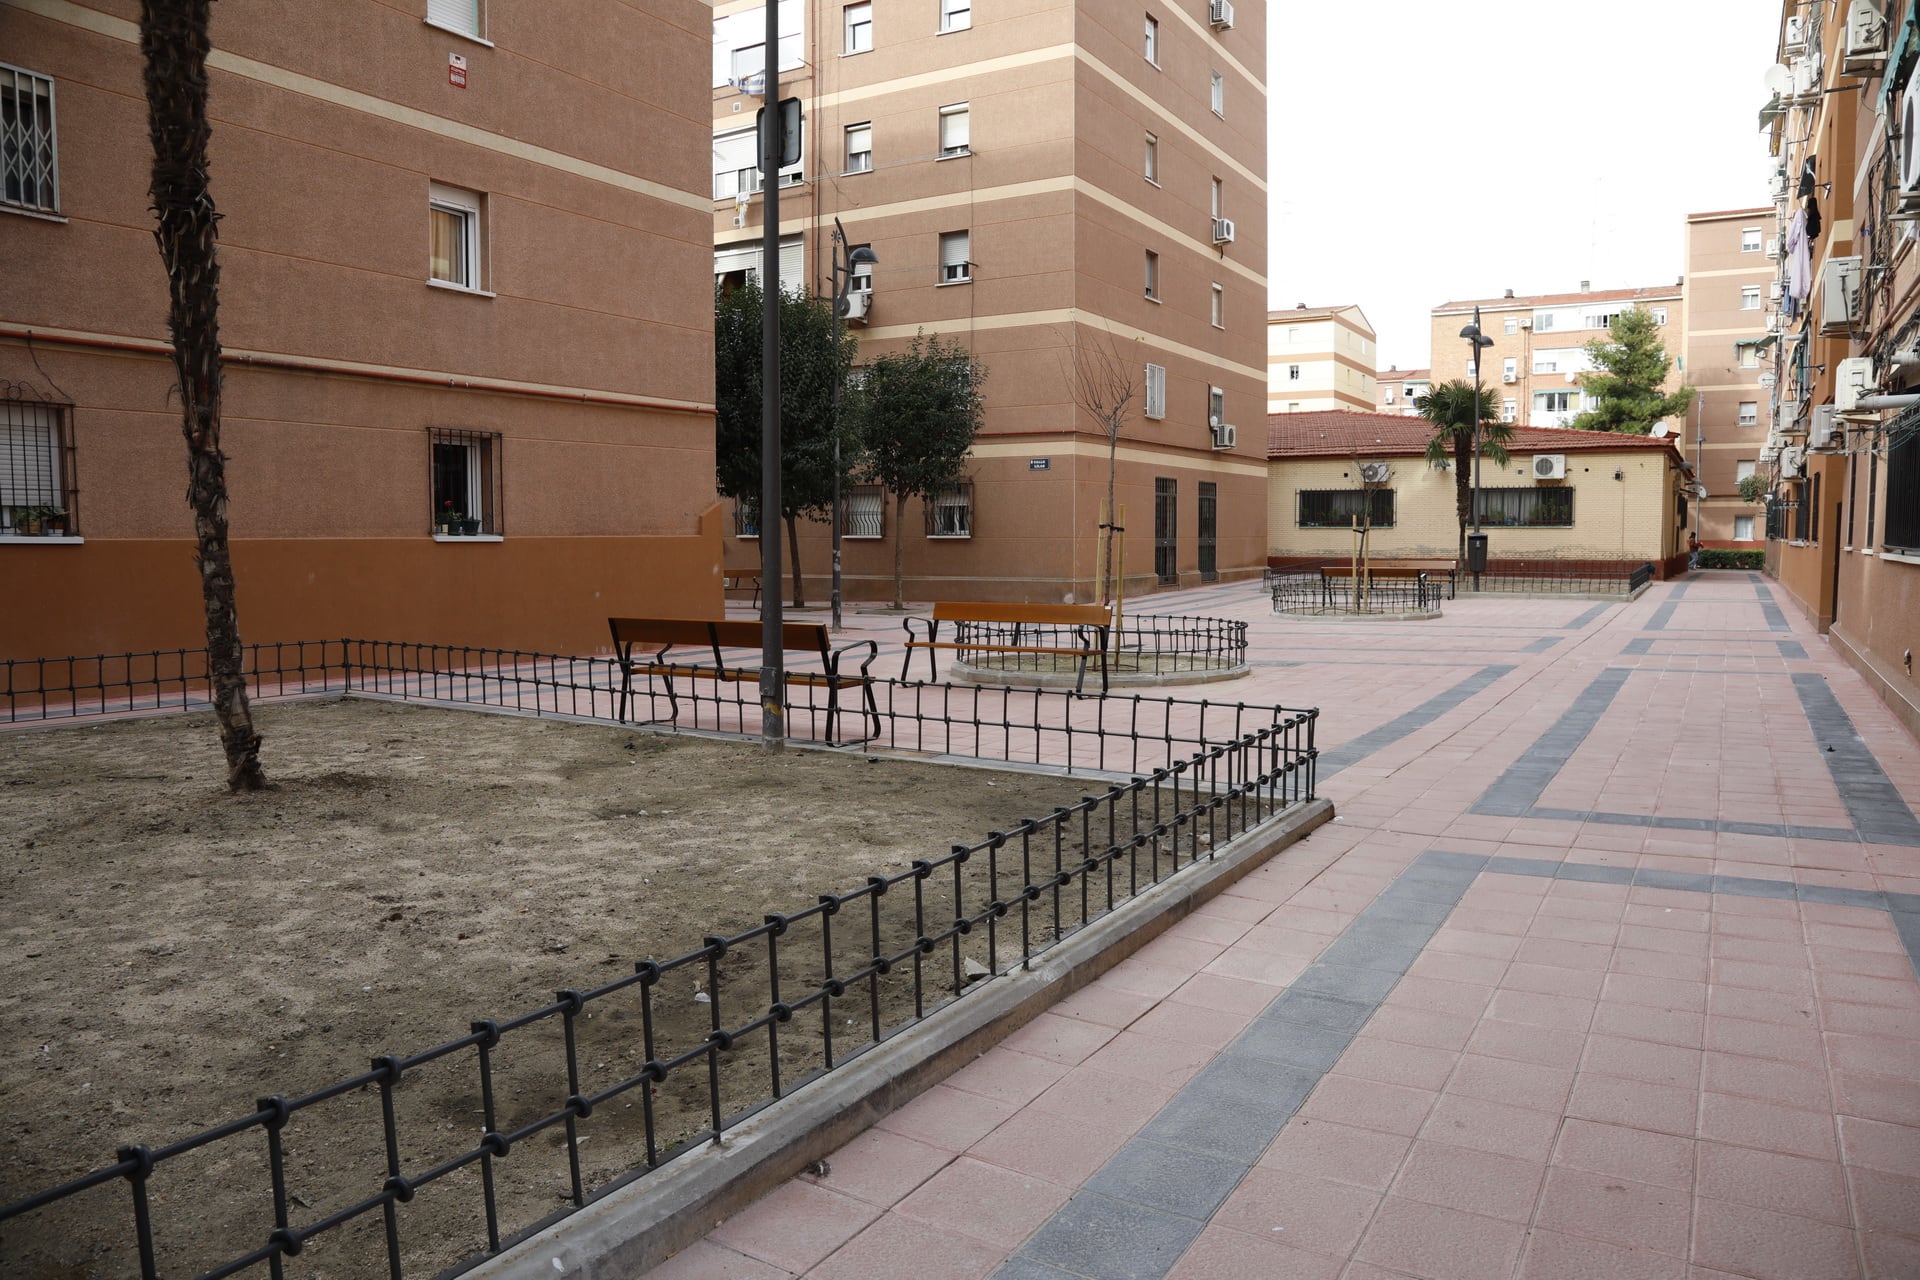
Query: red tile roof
{"points": [[1404, 375], [1647, 293], [1343, 433]]}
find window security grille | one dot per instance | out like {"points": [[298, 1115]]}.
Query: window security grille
{"points": [[950, 512], [1902, 519], [466, 481], [1209, 531], [746, 519], [1166, 527], [1526, 508], [29, 161], [864, 514], [1339, 508], [36, 462]]}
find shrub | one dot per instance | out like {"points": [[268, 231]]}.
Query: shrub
{"points": [[1721, 558]]}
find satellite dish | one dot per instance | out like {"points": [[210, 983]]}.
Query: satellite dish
{"points": [[1660, 431], [1572, 376], [1778, 78]]}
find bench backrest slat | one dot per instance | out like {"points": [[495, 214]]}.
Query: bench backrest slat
{"points": [[810, 637], [658, 630], [990, 611], [744, 634]]}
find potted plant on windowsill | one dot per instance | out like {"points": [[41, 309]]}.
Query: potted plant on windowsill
{"points": [[54, 521], [451, 522], [470, 527]]}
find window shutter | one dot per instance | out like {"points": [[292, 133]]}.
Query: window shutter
{"points": [[29, 454], [792, 266], [1156, 391], [460, 15], [953, 251], [859, 139], [954, 129]]}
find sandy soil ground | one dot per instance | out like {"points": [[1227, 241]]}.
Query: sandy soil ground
{"points": [[172, 953]]}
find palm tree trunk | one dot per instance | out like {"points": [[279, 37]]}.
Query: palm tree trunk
{"points": [[899, 550], [1463, 490], [174, 40], [793, 549]]}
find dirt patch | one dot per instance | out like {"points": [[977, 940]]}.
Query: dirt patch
{"points": [[172, 953]]}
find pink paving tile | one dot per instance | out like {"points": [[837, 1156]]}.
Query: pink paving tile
{"points": [[1483, 970], [1673, 942], [1783, 928], [1689, 919], [1750, 1122], [1686, 995], [1749, 1241], [1006, 1076], [1104, 1005], [1226, 995], [1209, 929], [1618, 1151], [1566, 955], [1761, 1006], [898, 1246], [1230, 906], [1870, 1019], [947, 1118], [1191, 1024], [1570, 1013], [1641, 1022], [704, 1260], [1496, 1127], [1175, 952], [879, 1167], [1890, 1148], [1309, 920], [1548, 980], [1368, 1104], [1634, 1103], [1664, 1064], [1770, 1180], [1548, 1046], [1617, 1210], [1790, 979], [1053, 1147], [794, 1225], [1371, 1058], [1892, 1257], [1885, 1202], [1163, 1062], [1850, 938], [1882, 1055], [1308, 1213], [1876, 1097], [1574, 929], [1469, 942], [1312, 1148], [1273, 970], [1552, 1255], [1220, 1251], [1417, 1026], [985, 1202], [1895, 993], [1523, 1084], [1436, 995], [1658, 964], [1872, 963], [1485, 920], [1470, 1181], [1141, 978], [1585, 901], [1437, 1243], [1104, 1098], [1777, 1041], [1068, 1041]]}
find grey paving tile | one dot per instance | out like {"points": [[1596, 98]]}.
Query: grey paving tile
{"points": [[1638, 645], [1367, 986], [1019, 1268], [1907, 924], [1367, 953], [1591, 615], [1792, 649], [1095, 1235], [1649, 878], [1319, 1010], [1293, 1044], [1170, 1179], [1541, 645], [1750, 887], [1904, 902], [1876, 807], [1594, 873], [1456, 861], [1413, 909], [1206, 1124], [1523, 866], [1257, 1085], [1833, 895], [1382, 736]]}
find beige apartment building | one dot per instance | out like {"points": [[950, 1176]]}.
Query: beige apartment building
{"points": [[1036, 183], [1396, 389], [1539, 342], [1320, 358], [464, 259], [1732, 259]]}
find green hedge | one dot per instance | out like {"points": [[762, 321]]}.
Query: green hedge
{"points": [[1719, 558]]}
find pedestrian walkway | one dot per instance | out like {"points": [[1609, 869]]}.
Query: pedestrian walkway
{"points": [[1606, 969]]}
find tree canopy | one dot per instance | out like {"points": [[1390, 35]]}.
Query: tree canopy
{"points": [[1630, 368]]}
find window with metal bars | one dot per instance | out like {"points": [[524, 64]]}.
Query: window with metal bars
{"points": [[746, 518], [465, 466], [950, 512], [1902, 517], [37, 491], [1339, 508], [29, 158], [1166, 529], [1516, 508], [864, 514], [1801, 514]]}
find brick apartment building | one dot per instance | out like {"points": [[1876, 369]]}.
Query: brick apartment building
{"points": [[464, 254], [1033, 181], [1395, 390], [1732, 258], [1320, 358]]}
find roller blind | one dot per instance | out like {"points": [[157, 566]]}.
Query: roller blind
{"points": [[459, 15]]}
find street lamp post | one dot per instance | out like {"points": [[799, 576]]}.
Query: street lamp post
{"points": [[843, 265], [1477, 342]]}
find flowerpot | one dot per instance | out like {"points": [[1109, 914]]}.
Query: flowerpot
{"points": [[29, 528], [470, 527]]}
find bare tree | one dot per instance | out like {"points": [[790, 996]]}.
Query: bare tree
{"points": [[1104, 387], [174, 40]]}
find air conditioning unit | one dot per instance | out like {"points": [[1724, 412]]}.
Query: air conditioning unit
{"points": [[1375, 472], [1766, 379], [1550, 466], [1866, 46], [1852, 379], [1225, 435], [1796, 36], [1223, 230], [1509, 377], [1907, 200], [1774, 291], [1820, 433], [1773, 246], [1220, 14], [858, 303], [1389, 397], [1776, 322], [1793, 462], [1839, 296], [1805, 91]]}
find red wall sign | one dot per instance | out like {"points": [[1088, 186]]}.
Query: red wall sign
{"points": [[456, 71]]}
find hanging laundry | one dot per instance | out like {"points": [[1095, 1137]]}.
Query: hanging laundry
{"points": [[1806, 178], [1813, 218], [1799, 258]]}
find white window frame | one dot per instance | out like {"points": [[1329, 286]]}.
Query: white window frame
{"points": [[856, 22], [1152, 45], [1659, 315], [21, 170], [1744, 470], [1746, 534], [1293, 373], [858, 159], [956, 116], [1217, 194], [1510, 367], [956, 270], [955, 15], [1219, 305], [1216, 406], [861, 278], [1217, 94], [447, 16], [1747, 355], [1153, 276], [1511, 326], [469, 207], [1749, 297], [872, 498], [1153, 159], [956, 498], [1750, 241], [1509, 410], [1542, 321], [1749, 413], [1156, 392]]}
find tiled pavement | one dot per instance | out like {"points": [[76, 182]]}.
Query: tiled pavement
{"points": [[1607, 969]]}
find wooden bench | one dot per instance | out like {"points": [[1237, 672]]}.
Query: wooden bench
{"points": [[1434, 569], [711, 635], [739, 578], [1333, 574], [1092, 625]]}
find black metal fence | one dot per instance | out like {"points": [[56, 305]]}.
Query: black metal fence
{"points": [[784, 1002], [1578, 578], [1143, 644], [1311, 592]]}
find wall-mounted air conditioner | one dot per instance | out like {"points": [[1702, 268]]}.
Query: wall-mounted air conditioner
{"points": [[1766, 379], [1773, 246], [1839, 296], [1865, 51], [1776, 322], [859, 302], [1509, 377], [1375, 472], [1793, 462], [1774, 291], [1852, 379], [1223, 230], [1820, 432], [1907, 199], [1225, 435], [1220, 14], [1795, 40], [1805, 90], [1549, 466]]}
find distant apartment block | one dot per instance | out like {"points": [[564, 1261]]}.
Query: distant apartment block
{"points": [[1320, 358], [1037, 183], [1539, 345], [1732, 259], [1398, 388]]}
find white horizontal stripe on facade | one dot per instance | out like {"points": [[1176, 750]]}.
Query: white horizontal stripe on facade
{"points": [[353, 100], [1065, 315], [1220, 463]]}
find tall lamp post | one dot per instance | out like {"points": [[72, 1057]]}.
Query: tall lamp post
{"points": [[843, 265], [1477, 342]]}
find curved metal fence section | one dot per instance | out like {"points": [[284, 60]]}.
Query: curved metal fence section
{"points": [[1143, 644]]}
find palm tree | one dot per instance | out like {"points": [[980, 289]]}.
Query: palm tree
{"points": [[1449, 406]]}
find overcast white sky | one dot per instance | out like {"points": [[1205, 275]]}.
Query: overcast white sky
{"points": [[1426, 150]]}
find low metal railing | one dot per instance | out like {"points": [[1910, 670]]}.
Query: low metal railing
{"points": [[1311, 593], [1143, 644]]}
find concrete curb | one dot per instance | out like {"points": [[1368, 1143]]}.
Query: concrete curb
{"points": [[643, 1224]]}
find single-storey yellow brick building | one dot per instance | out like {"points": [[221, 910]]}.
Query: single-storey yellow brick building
{"points": [[1563, 496]]}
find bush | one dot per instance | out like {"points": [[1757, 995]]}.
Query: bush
{"points": [[1720, 558]]}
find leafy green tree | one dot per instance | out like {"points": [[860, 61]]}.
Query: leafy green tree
{"points": [[917, 412], [1449, 406], [810, 366], [1630, 367]]}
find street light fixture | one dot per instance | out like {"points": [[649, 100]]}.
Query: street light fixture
{"points": [[843, 265], [1477, 543]]}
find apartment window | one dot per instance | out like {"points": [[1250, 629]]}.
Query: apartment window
{"points": [[1153, 275], [1509, 410], [954, 130], [1602, 319], [1510, 369], [861, 281], [1659, 315], [955, 268], [1749, 355], [746, 518], [1293, 406], [1553, 402], [1903, 496], [453, 218], [466, 481], [1153, 159], [1217, 95], [1339, 508], [956, 15], [748, 60], [1156, 391], [860, 148], [1219, 198], [36, 465], [859, 27], [1750, 297], [1219, 306], [1510, 326], [865, 512], [1293, 373], [950, 512], [1153, 40], [1542, 322], [1743, 528], [1408, 391], [29, 160], [1527, 508], [1750, 240], [1216, 406], [1749, 413], [464, 17], [1166, 529], [1743, 470]]}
